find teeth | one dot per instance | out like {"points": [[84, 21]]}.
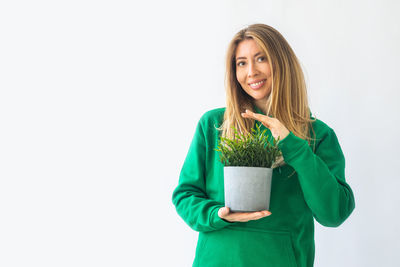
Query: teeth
{"points": [[255, 84]]}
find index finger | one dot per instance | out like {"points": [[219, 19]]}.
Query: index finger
{"points": [[256, 116], [247, 216]]}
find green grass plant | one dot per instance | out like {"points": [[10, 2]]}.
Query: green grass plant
{"points": [[250, 150]]}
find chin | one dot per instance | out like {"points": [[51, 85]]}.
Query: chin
{"points": [[259, 96]]}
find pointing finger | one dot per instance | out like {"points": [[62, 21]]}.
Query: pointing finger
{"points": [[259, 215], [256, 116]]}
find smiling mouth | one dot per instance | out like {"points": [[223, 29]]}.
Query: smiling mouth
{"points": [[257, 85]]}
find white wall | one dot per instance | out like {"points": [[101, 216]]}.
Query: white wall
{"points": [[99, 102]]}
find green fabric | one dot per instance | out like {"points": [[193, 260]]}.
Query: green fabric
{"points": [[310, 185]]}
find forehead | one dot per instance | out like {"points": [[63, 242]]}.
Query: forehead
{"points": [[247, 47]]}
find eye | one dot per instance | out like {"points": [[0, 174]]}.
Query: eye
{"points": [[241, 63], [260, 59]]}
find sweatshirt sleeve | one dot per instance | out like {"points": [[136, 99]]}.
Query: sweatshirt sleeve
{"points": [[189, 197], [321, 176]]}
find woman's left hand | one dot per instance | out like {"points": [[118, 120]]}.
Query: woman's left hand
{"points": [[276, 127]]}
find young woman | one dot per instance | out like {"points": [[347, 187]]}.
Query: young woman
{"points": [[264, 85]]}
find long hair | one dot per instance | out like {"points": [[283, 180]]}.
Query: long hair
{"points": [[288, 98]]}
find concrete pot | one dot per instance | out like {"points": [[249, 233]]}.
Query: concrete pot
{"points": [[247, 189]]}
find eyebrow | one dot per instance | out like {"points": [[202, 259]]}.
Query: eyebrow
{"points": [[254, 56]]}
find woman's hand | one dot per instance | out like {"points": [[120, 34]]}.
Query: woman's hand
{"points": [[225, 214], [276, 127]]}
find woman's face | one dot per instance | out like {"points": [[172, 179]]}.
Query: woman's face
{"points": [[253, 71]]}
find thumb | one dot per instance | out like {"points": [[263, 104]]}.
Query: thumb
{"points": [[222, 212]]}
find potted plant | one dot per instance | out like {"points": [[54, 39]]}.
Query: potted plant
{"points": [[248, 160]]}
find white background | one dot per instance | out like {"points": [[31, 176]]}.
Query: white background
{"points": [[99, 101]]}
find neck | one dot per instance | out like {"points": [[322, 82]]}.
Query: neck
{"points": [[262, 104]]}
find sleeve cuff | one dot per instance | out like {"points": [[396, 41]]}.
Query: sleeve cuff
{"points": [[290, 145]]}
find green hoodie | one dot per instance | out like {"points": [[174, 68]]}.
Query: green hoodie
{"points": [[310, 185]]}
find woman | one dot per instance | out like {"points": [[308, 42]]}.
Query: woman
{"points": [[264, 84]]}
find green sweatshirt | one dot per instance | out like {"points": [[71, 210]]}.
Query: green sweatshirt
{"points": [[310, 185]]}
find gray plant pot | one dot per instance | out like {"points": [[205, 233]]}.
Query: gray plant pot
{"points": [[247, 189]]}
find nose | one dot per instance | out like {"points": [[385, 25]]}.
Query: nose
{"points": [[252, 71]]}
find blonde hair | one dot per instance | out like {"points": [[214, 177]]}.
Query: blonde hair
{"points": [[288, 99]]}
